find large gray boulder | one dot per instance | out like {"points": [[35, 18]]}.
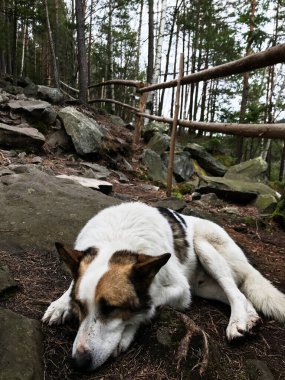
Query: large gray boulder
{"points": [[206, 160], [156, 168], [150, 129], [51, 94], [85, 133], [159, 143], [253, 170], [38, 209], [183, 168], [21, 349], [20, 136]]}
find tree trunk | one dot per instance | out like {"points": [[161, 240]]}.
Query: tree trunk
{"points": [[174, 70], [52, 49], [82, 61], [282, 163], [56, 40], [245, 88], [150, 62], [158, 52], [150, 42], [90, 43], [24, 44], [14, 49], [171, 33]]}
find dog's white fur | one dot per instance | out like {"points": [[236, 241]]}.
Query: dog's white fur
{"points": [[215, 268]]}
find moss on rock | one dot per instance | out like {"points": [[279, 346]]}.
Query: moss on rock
{"points": [[279, 213]]}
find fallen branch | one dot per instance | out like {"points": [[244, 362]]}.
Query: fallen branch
{"points": [[191, 329]]}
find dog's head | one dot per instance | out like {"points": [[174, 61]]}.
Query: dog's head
{"points": [[110, 300]]}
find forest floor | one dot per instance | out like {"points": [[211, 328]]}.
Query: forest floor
{"points": [[42, 280]]}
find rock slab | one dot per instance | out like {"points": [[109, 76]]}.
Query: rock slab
{"points": [[20, 136], [21, 353], [38, 209], [206, 160]]}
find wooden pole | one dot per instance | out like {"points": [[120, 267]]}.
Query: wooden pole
{"points": [[174, 128], [133, 109], [129, 83], [140, 119], [265, 58], [273, 131]]}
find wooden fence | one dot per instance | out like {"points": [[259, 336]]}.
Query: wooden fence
{"points": [[263, 59]]}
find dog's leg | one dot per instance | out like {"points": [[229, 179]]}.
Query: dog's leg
{"points": [[126, 340], [59, 310], [243, 315], [206, 287]]}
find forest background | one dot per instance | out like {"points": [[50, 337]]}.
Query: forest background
{"points": [[86, 42]]}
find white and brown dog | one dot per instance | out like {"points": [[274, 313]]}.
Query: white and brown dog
{"points": [[131, 258]]}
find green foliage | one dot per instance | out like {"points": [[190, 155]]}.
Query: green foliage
{"points": [[186, 188]]}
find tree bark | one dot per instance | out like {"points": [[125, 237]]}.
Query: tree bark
{"points": [[158, 52], [82, 60], [245, 88], [52, 49]]}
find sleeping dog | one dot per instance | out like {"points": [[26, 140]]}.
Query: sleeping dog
{"points": [[130, 259]]}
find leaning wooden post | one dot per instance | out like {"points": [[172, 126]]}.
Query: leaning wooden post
{"points": [[139, 119], [174, 128]]}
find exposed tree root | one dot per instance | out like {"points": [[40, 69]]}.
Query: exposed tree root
{"points": [[191, 329]]}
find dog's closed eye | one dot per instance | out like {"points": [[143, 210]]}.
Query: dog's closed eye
{"points": [[106, 308]]}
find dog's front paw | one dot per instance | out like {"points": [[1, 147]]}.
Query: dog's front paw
{"points": [[239, 328], [57, 313], [236, 330], [126, 340]]}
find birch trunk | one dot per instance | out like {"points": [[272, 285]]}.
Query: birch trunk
{"points": [[52, 49], [171, 33], [158, 52], [24, 44], [150, 60], [245, 88]]}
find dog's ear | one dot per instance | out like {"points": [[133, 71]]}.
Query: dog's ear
{"points": [[148, 266], [71, 257]]}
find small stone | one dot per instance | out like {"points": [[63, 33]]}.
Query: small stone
{"points": [[172, 203], [103, 186], [22, 155], [260, 369], [196, 196], [37, 160]]}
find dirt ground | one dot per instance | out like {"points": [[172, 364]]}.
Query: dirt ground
{"points": [[42, 279]]}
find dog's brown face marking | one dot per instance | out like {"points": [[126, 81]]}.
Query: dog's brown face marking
{"points": [[84, 259], [115, 293]]}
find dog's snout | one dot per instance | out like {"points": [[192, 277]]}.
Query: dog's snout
{"points": [[82, 360]]}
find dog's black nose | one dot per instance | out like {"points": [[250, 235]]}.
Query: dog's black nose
{"points": [[82, 360]]}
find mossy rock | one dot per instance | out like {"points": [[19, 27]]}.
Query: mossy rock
{"points": [[279, 213], [266, 203], [186, 188]]}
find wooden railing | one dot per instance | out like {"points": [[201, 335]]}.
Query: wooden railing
{"points": [[263, 59]]}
